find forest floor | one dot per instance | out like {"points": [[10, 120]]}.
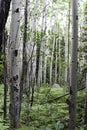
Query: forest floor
{"points": [[44, 114]]}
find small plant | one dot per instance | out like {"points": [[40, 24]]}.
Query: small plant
{"points": [[3, 127], [59, 126], [48, 128]]}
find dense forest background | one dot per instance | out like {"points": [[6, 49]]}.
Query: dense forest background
{"points": [[43, 65]]}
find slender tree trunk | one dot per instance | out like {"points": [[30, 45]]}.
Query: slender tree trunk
{"points": [[15, 79], [73, 82], [79, 53], [56, 63], [32, 42], [52, 62], [45, 67], [4, 40], [59, 62], [85, 114], [68, 69], [5, 76], [34, 37], [32, 52], [46, 51], [25, 63], [67, 52], [39, 48]]}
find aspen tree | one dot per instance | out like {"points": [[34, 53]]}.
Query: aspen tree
{"points": [[45, 66], [52, 61], [73, 78], [45, 62], [25, 46], [24, 64], [44, 57], [56, 62], [67, 48], [32, 46], [32, 52], [15, 79], [59, 78], [32, 42], [39, 48]]}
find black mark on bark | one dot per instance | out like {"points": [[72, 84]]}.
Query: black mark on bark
{"points": [[16, 89], [17, 98], [17, 10], [15, 77], [16, 53], [76, 17]]}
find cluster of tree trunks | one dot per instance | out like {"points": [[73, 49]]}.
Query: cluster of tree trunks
{"points": [[35, 73]]}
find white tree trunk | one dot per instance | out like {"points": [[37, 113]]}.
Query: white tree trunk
{"points": [[67, 48], [41, 46], [51, 62], [31, 48], [15, 79], [56, 62], [66, 58], [59, 62], [45, 67]]}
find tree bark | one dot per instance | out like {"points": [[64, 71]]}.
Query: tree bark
{"points": [[67, 52], [51, 62], [56, 63], [39, 48], [24, 60], [5, 75], [85, 114], [59, 78], [15, 79], [4, 10], [73, 80]]}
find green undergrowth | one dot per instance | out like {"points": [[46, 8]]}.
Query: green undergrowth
{"points": [[45, 115], [4, 123]]}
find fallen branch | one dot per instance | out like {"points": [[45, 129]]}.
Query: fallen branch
{"points": [[57, 98]]}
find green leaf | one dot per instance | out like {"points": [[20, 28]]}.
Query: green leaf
{"points": [[59, 126], [48, 128]]}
